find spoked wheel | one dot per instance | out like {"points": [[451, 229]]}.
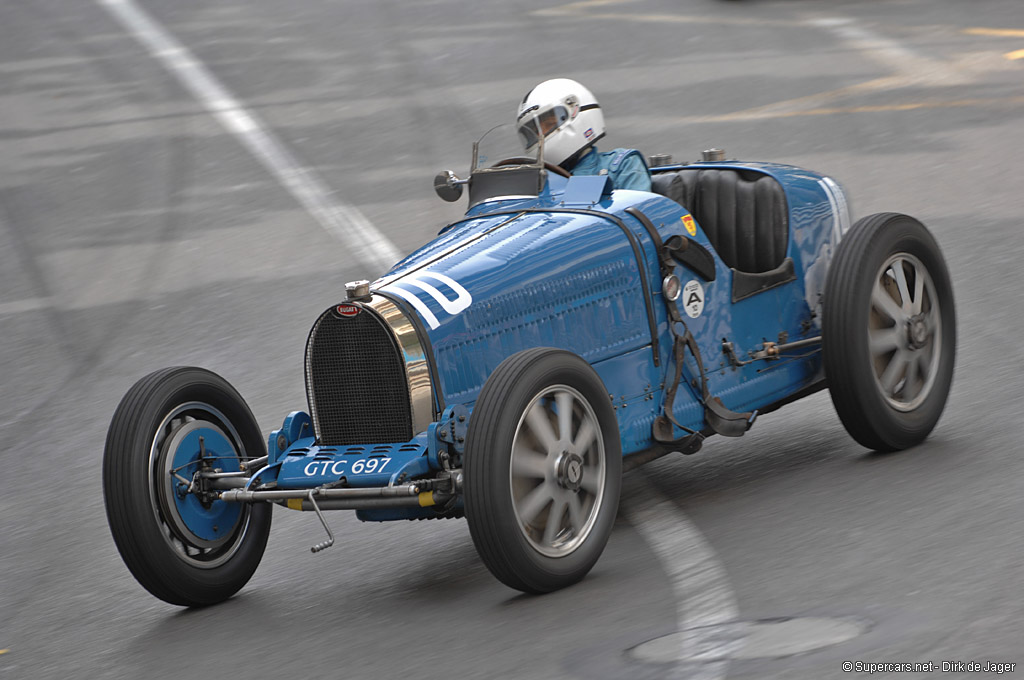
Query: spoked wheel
{"points": [[904, 332], [543, 470], [557, 473], [180, 542], [889, 332]]}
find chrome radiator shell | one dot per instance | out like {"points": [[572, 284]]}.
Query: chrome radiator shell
{"points": [[367, 375]]}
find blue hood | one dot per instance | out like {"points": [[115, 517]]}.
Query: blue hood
{"points": [[493, 285]]}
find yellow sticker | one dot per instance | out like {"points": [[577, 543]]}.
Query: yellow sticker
{"points": [[294, 503], [691, 228]]}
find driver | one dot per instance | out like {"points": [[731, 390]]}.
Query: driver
{"points": [[569, 118]]}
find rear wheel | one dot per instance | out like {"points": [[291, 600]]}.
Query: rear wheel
{"points": [[543, 470], [889, 328], [183, 546]]}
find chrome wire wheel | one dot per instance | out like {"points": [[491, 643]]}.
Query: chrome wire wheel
{"points": [[557, 471], [904, 332]]}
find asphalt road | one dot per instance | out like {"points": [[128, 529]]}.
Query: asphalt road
{"points": [[137, 232]]}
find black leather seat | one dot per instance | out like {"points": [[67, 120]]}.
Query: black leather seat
{"points": [[743, 213]]}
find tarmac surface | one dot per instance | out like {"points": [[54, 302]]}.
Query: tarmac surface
{"points": [[139, 229]]}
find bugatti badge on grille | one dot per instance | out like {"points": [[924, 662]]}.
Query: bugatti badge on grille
{"points": [[347, 311]]}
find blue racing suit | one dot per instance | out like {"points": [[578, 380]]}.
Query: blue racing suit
{"points": [[626, 167]]}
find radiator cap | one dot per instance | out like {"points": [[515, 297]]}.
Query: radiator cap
{"points": [[358, 290]]}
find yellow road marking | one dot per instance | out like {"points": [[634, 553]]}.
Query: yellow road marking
{"points": [[909, 106], [580, 8], [998, 32], [691, 19], [695, 19], [1001, 33], [811, 101], [4, 651], [836, 110], [814, 105]]}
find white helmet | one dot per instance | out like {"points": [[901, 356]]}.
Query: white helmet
{"points": [[566, 114]]}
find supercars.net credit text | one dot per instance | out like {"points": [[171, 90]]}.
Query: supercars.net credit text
{"points": [[930, 667]]}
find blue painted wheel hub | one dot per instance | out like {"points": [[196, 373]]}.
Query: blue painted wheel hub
{"points": [[198, 521]]}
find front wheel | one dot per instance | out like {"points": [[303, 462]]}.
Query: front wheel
{"points": [[889, 332], [184, 546], [543, 469]]}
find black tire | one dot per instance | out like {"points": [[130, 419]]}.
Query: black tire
{"points": [[153, 422], [508, 510], [889, 349]]}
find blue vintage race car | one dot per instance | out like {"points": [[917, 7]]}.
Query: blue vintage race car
{"points": [[510, 369]]}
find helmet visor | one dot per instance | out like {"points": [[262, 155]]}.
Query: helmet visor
{"points": [[542, 124]]}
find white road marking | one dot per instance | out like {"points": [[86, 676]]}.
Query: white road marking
{"points": [[344, 222], [706, 609], [880, 48], [909, 66]]}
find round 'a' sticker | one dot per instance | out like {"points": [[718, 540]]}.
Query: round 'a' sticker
{"points": [[692, 298]]}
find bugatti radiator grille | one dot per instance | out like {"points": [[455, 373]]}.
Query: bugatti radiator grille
{"points": [[356, 381]]}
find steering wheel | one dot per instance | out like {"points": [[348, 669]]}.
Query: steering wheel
{"points": [[525, 160]]}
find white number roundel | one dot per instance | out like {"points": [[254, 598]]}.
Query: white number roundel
{"points": [[693, 298]]}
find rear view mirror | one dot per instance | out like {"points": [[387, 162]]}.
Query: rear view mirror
{"points": [[448, 186]]}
